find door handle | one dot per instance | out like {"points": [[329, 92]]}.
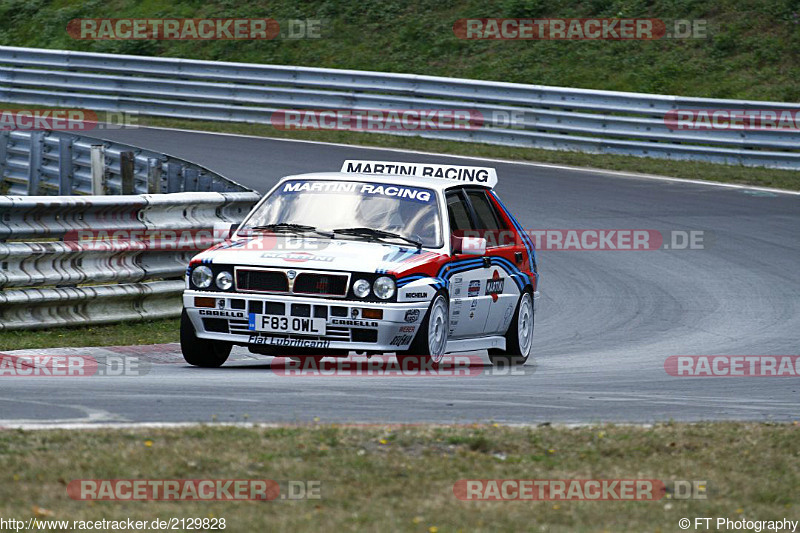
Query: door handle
{"points": [[487, 262], [518, 257]]}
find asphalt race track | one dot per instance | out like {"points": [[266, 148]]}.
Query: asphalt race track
{"points": [[606, 323]]}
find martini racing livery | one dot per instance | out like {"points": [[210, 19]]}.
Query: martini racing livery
{"points": [[411, 258]]}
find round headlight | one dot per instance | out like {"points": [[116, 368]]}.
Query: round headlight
{"points": [[201, 277], [224, 280], [361, 288], [383, 287]]}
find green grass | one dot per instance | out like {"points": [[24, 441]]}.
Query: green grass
{"points": [[751, 50], [122, 334], [398, 478]]}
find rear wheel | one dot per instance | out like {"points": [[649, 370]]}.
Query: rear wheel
{"points": [[431, 339], [206, 353], [519, 337]]}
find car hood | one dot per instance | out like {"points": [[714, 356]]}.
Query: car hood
{"points": [[321, 254]]}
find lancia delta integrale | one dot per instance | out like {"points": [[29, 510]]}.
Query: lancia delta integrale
{"points": [[407, 258]]}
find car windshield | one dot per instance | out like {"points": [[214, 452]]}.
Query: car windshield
{"points": [[325, 206]]}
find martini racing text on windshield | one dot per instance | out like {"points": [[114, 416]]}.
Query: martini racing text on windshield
{"points": [[411, 212]]}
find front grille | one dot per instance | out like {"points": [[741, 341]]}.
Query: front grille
{"points": [[275, 281], [261, 280], [303, 310], [327, 284]]}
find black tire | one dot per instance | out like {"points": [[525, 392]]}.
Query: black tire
{"points": [[517, 350], [204, 353], [421, 347]]}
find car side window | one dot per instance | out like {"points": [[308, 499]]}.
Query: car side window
{"points": [[487, 218], [458, 214]]}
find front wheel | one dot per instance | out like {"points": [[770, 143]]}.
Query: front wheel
{"points": [[206, 353], [431, 339], [519, 337]]}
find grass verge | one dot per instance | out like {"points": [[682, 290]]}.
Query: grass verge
{"points": [[121, 334], [762, 177], [401, 478]]}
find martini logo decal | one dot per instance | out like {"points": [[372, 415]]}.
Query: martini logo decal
{"points": [[297, 257], [495, 285]]}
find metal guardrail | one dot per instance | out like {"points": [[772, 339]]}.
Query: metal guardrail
{"points": [[46, 162], [101, 259], [544, 117]]}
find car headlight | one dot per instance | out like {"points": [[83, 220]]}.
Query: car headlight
{"points": [[383, 287], [361, 288], [201, 277], [224, 280]]}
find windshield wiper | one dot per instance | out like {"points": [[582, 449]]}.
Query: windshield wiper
{"points": [[289, 227], [378, 234]]}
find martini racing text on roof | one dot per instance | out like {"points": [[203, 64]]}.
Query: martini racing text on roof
{"points": [[479, 175]]}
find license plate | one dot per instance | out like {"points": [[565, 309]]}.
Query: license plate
{"points": [[287, 324]]}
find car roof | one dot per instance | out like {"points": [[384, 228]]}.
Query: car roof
{"points": [[436, 184]]}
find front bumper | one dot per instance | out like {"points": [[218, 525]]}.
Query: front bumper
{"points": [[346, 329]]}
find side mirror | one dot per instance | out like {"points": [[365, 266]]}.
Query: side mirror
{"points": [[469, 245], [233, 229]]}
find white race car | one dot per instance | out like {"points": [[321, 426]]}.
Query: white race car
{"points": [[411, 258]]}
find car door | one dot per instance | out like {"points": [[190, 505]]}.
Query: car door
{"points": [[469, 305], [506, 254]]}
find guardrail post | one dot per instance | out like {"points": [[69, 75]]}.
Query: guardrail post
{"points": [[3, 156], [65, 172], [98, 159], [35, 162], [205, 183], [191, 180], [126, 167], [153, 176], [174, 176]]}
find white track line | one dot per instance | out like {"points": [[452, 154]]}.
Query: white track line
{"points": [[29, 426], [613, 173]]}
